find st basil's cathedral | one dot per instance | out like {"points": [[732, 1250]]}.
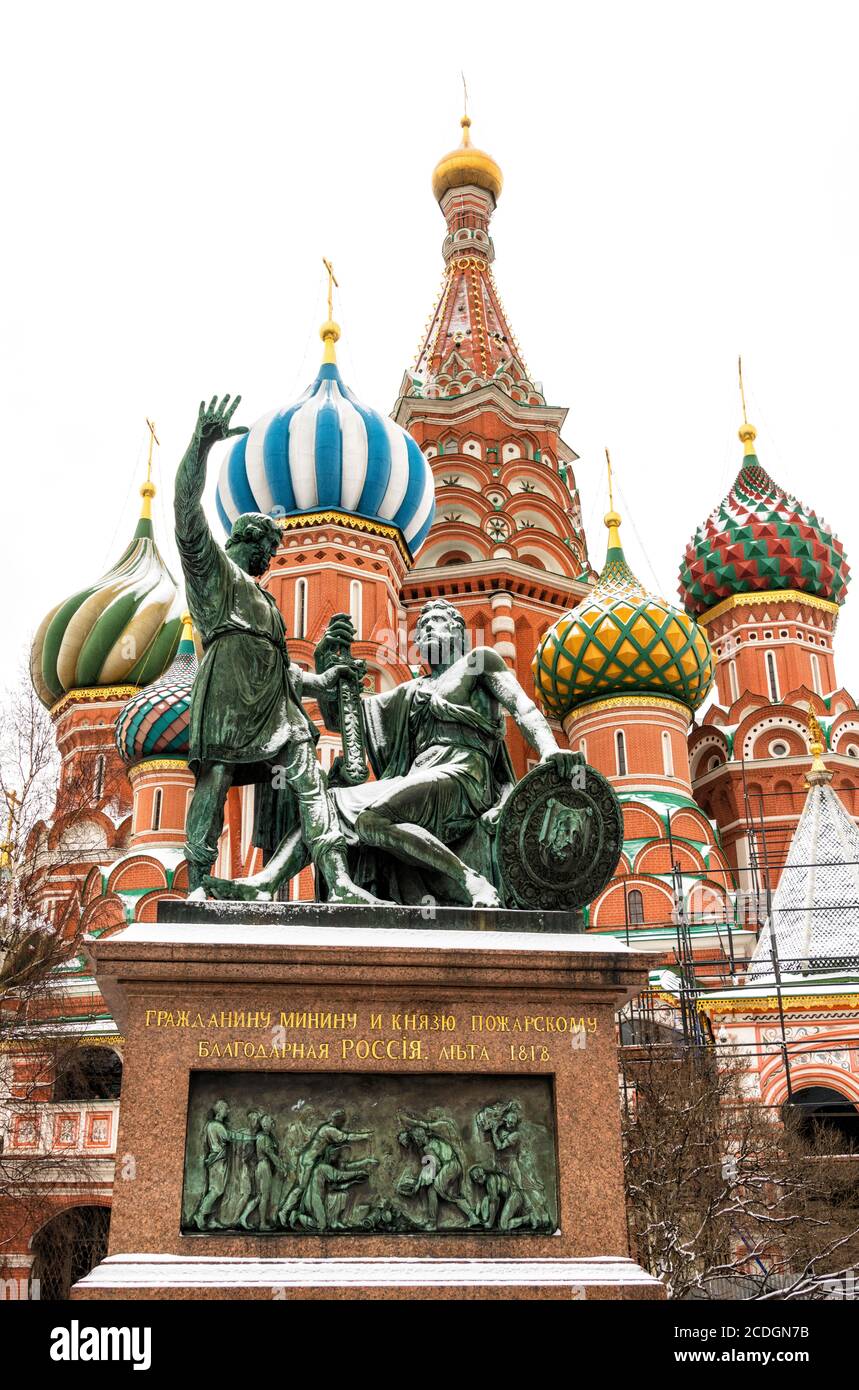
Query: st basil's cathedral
{"points": [[716, 714]]}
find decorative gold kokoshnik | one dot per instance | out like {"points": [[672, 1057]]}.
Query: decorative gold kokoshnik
{"points": [[93, 694], [156, 765], [347, 519], [635, 701], [766, 597]]}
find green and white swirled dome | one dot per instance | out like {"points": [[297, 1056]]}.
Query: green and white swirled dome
{"points": [[119, 631]]}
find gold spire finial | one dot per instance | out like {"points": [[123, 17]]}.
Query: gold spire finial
{"points": [[330, 331], [7, 848], [611, 518], [818, 771], [748, 433], [187, 627], [147, 491], [466, 119]]}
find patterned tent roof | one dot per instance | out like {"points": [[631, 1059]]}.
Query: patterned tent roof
{"points": [[815, 908], [621, 639], [329, 452], [759, 539], [155, 722], [116, 631]]}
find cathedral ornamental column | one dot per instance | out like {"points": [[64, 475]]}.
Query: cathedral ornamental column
{"points": [[503, 627]]}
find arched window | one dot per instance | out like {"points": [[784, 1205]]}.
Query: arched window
{"points": [[635, 907], [98, 778], [356, 606], [772, 677], [667, 754], [735, 684], [157, 798], [815, 673], [620, 747], [87, 1073], [823, 1113], [583, 748], [299, 626], [67, 1248]]}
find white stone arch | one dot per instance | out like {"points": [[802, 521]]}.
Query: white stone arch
{"points": [[845, 737], [433, 554], [771, 726], [530, 518], [704, 750]]}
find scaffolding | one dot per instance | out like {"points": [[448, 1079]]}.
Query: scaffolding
{"points": [[667, 1017]]}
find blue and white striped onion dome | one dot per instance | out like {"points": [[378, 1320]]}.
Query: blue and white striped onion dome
{"points": [[328, 452], [155, 723]]}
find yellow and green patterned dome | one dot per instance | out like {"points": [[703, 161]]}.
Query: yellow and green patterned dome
{"points": [[621, 640]]}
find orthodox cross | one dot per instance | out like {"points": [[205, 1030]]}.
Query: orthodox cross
{"points": [[153, 439], [742, 392], [332, 285], [610, 485]]}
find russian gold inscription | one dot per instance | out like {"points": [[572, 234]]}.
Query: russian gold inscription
{"points": [[347, 1036]]}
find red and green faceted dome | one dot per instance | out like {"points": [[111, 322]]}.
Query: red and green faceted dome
{"points": [[759, 539], [621, 640]]}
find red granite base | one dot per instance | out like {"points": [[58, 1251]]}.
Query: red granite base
{"points": [[159, 979]]}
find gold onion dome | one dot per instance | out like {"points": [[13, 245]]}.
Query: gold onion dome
{"points": [[621, 639], [467, 166]]}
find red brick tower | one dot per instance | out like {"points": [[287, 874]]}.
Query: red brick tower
{"points": [[766, 577], [507, 546]]}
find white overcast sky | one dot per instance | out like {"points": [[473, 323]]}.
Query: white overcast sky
{"points": [[680, 186]]}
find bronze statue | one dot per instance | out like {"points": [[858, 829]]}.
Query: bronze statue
{"points": [[440, 1176], [246, 714], [304, 1202], [267, 1163], [436, 744], [216, 1158], [490, 1169]]}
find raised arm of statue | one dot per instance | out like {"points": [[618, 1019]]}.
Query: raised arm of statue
{"points": [[198, 549]]}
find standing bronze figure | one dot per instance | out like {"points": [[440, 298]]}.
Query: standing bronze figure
{"points": [[247, 721]]}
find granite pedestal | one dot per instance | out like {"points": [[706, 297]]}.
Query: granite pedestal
{"points": [[301, 1009]]}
